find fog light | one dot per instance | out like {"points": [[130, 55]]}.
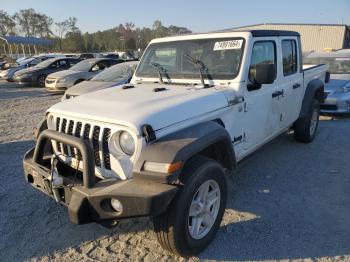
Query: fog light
{"points": [[117, 205]]}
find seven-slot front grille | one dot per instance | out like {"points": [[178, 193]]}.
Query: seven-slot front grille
{"points": [[95, 134]]}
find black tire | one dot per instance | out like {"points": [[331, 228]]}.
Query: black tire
{"points": [[302, 127], [172, 227], [41, 80]]}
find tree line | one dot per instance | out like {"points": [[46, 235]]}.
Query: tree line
{"points": [[67, 37]]}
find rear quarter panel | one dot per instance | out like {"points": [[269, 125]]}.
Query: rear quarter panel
{"points": [[312, 72]]}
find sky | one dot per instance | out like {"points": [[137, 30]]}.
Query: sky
{"points": [[199, 16]]}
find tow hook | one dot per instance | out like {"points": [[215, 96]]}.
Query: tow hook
{"points": [[109, 223]]}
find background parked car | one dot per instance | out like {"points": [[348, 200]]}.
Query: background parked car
{"points": [[36, 75], [128, 55], [111, 56], [7, 62], [84, 56], [84, 70], [23, 64], [114, 76], [338, 88]]}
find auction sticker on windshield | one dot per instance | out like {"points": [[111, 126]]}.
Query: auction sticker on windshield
{"points": [[225, 45]]}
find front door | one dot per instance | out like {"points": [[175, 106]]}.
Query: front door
{"points": [[256, 122]]}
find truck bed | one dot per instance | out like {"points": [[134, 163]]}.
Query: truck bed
{"points": [[314, 71]]}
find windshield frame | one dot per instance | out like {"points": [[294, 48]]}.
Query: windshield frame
{"points": [[196, 75]]}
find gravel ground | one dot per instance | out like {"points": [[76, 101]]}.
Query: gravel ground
{"points": [[288, 201]]}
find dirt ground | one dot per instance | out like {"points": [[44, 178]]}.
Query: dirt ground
{"points": [[288, 201]]}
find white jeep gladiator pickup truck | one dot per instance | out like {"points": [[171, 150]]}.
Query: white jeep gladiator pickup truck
{"points": [[162, 145]]}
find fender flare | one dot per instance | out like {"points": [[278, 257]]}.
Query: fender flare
{"points": [[315, 89], [182, 145]]}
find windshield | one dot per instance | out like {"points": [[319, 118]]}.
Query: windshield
{"points": [[221, 58], [84, 65], [45, 63], [115, 73], [337, 65]]}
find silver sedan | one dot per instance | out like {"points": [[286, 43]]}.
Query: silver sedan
{"points": [[337, 90], [338, 95]]}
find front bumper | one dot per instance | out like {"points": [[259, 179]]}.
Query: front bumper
{"points": [[89, 200], [24, 80], [56, 89], [52, 85], [336, 103]]}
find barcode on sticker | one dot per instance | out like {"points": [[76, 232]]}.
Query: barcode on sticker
{"points": [[225, 45]]}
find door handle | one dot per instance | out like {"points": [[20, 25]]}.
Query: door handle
{"points": [[277, 94], [295, 86]]}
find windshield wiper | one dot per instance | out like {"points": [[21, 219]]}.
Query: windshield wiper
{"points": [[160, 70], [202, 68]]}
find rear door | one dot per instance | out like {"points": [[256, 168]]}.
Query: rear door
{"points": [[290, 81]]}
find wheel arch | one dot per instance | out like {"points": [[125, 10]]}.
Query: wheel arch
{"points": [[209, 139], [315, 89], [38, 78]]}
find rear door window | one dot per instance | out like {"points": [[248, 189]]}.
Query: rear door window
{"points": [[290, 57]]}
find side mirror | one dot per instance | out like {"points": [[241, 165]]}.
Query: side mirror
{"points": [[327, 77], [265, 74]]}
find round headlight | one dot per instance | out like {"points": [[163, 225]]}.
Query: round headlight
{"points": [[126, 143]]}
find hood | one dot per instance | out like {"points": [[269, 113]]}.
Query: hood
{"points": [[15, 69], [64, 73], [87, 87], [141, 105], [338, 82], [11, 71]]}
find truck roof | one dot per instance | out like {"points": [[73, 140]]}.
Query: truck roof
{"points": [[263, 33], [228, 33]]}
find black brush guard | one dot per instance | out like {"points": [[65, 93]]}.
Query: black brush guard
{"points": [[89, 201]]}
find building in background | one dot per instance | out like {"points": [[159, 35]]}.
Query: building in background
{"points": [[314, 37]]}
